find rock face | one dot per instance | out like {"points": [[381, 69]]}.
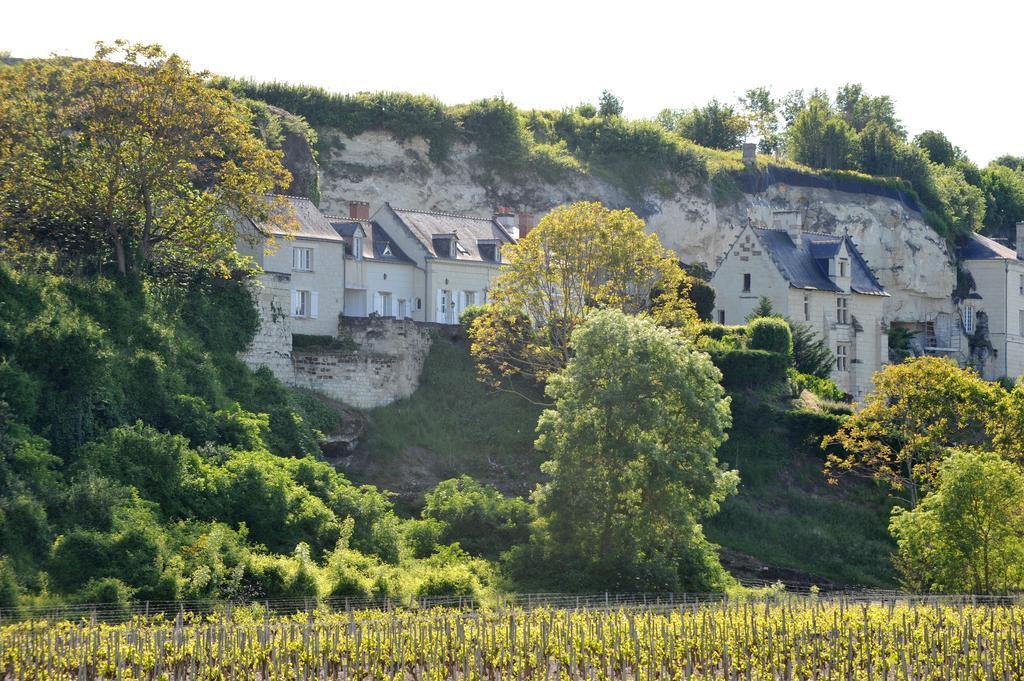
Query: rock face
{"points": [[911, 260]]}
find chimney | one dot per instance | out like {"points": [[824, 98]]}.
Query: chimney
{"points": [[525, 223], [792, 221], [1020, 241], [359, 210], [507, 219], [749, 153]]}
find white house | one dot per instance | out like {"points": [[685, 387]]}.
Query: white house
{"points": [[380, 278], [818, 279], [304, 270], [456, 257], [992, 316]]}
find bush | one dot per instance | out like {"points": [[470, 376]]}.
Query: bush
{"points": [[478, 517], [469, 315], [750, 368], [424, 536], [108, 591], [806, 427], [722, 332], [822, 387], [771, 334]]}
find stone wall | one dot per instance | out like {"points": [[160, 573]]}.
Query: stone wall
{"points": [[385, 366]]}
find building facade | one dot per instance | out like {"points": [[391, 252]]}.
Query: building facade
{"points": [[817, 279], [992, 314], [303, 263], [456, 257]]}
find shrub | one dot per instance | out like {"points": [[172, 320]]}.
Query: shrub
{"points": [[822, 387], [423, 536], [806, 427], [469, 315], [482, 520], [771, 334], [108, 591], [750, 368]]}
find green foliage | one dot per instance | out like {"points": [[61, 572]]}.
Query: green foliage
{"points": [[1004, 197], [632, 437], [821, 139], [964, 203], [715, 125], [938, 147], [469, 315], [822, 387], [702, 295], [771, 334], [811, 353], [483, 521], [609, 105], [762, 309], [744, 369], [966, 535]]}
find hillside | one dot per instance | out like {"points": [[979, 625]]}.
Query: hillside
{"points": [[785, 515]]}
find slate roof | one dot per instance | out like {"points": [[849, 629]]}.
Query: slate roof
{"points": [[376, 243], [307, 222], [979, 247], [806, 266], [425, 225]]}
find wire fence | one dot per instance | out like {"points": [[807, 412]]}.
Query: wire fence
{"points": [[119, 612]]}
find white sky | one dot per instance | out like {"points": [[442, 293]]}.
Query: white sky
{"points": [[957, 70]]}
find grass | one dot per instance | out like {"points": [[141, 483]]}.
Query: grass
{"points": [[785, 514], [452, 425]]}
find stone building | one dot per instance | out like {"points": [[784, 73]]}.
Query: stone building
{"points": [[303, 268], [457, 256], [812, 278], [992, 314], [380, 279]]}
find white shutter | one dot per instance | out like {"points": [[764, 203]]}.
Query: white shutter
{"points": [[295, 259], [377, 304], [314, 300], [295, 303], [439, 313]]}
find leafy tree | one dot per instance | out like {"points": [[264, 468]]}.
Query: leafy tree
{"points": [[1010, 161], [130, 153], [819, 138], [1004, 197], [938, 147], [811, 353], [702, 295], [610, 105], [482, 520], [916, 412], [714, 125], [878, 152], [967, 535], [1006, 425], [965, 203], [578, 258], [638, 416], [762, 112], [859, 109]]}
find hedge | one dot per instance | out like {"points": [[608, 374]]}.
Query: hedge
{"points": [[771, 334], [750, 368]]}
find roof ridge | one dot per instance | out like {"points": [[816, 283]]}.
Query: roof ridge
{"points": [[446, 214], [802, 231], [291, 196]]}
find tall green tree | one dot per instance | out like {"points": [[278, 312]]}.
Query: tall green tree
{"points": [[968, 533], [821, 139], [638, 417], [762, 112], [1004, 197], [715, 125], [609, 105], [132, 154], [938, 147], [858, 109]]}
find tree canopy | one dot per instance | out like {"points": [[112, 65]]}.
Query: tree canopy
{"points": [[129, 155], [578, 258], [638, 416]]}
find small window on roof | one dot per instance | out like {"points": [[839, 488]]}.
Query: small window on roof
{"points": [[443, 246], [461, 249], [387, 248], [489, 252]]}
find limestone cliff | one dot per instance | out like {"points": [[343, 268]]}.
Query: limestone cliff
{"points": [[912, 261]]}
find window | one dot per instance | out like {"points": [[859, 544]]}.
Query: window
{"points": [[470, 298], [841, 356], [419, 303], [746, 283], [807, 308], [1020, 323], [842, 310], [357, 247], [387, 249], [444, 303], [304, 304], [844, 267], [721, 316], [384, 308], [1022, 284], [968, 314], [302, 259], [491, 252], [443, 247]]}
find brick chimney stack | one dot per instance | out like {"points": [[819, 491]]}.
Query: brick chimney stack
{"points": [[359, 210], [525, 221]]}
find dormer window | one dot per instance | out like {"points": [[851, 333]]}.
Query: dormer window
{"points": [[357, 246], [443, 246], [387, 249], [490, 251], [844, 268]]}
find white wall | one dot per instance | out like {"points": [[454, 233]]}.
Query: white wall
{"points": [[326, 280], [999, 284], [748, 257]]}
